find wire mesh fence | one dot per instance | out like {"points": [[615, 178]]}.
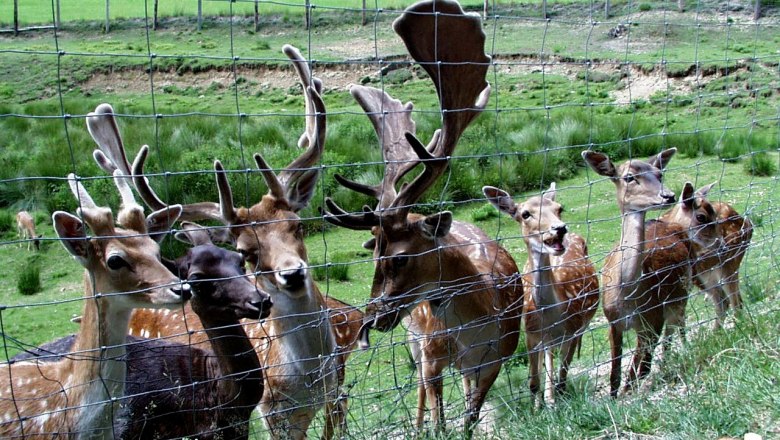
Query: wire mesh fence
{"points": [[411, 267]]}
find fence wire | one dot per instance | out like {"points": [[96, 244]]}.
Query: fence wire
{"points": [[645, 78]]}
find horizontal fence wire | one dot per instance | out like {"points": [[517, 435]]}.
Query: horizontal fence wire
{"points": [[201, 82]]}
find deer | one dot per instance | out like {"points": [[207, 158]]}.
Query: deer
{"points": [[720, 238], [560, 285], [177, 390], [433, 265], [79, 396], [645, 278], [307, 337], [25, 228]]}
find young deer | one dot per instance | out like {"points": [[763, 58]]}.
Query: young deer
{"points": [[720, 238], [25, 228], [645, 278], [179, 390], [560, 285], [304, 362], [79, 396], [467, 279]]}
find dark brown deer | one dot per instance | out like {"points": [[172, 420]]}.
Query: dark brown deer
{"points": [[560, 285], [177, 390], [645, 278], [468, 280], [298, 347], [720, 238], [79, 396]]}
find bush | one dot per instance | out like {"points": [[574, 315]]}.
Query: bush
{"points": [[29, 281], [333, 270], [761, 164], [484, 212], [6, 222]]}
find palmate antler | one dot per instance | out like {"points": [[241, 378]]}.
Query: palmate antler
{"points": [[458, 67], [294, 184]]}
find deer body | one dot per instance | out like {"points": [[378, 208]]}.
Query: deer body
{"points": [[720, 238], [645, 277], [25, 228], [560, 285], [77, 397]]}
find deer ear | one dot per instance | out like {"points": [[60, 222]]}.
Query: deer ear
{"points": [[71, 230], [662, 159], [159, 222], [193, 233], [550, 193], [369, 244], [500, 199], [600, 163], [436, 225], [705, 190], [687, 196]]}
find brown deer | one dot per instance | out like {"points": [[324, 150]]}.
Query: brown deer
{"points": [[720, 238], [304, 363], [25, 228], [560, 285], [645, 278], [179, 390], [468, 280], [79, 396]]}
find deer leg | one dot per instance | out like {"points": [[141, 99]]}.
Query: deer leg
{"points": [[567, 354], [616, 351], [549, 379], [674, 323], [646, 340], [434, 390], [534, 358], [476, 398], [732, 288], [718, 297]]}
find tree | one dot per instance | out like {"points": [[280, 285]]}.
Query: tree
{"points": [[757, 10]]}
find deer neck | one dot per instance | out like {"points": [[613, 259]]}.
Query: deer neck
{"points": [[241, 376], [631, 248], [541, 272], [99, 372]]}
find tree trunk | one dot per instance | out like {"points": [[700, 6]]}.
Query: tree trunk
{"points": [[257, 15], [154, 20], [307, 17], [544, 9], [200, 14], [606, 10], [680, 5], [16, 17], [364, 13], [58, 16], [757, 10], [108, 28]]}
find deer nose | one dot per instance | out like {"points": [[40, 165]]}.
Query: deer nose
{"points": [[668, 196], [559, 229], [184, 291], [264, 305], [292, 279]]}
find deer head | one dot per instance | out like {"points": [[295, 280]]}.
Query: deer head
{"points": [[695, 213], [126, 258], [539, 217], [406, 246], [639, 183], [269, 234]]}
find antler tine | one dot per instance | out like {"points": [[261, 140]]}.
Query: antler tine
{"points": [[457, 66], [337, 216], [142, 183], [80, 192], [126, 193], [105, 132]]}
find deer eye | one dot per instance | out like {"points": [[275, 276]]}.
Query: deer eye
{"points": [[629, 178], [701, 218], [400, 261], [525, 215], [115, 262]]}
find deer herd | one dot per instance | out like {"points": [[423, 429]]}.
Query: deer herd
{"points": [[190, 347]]}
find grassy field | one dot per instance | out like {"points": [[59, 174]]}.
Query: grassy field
{"points": [[705, 81]]}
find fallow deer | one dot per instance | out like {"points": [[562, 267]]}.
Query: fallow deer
{"points": [[645, 278], [25, 228], [560, 285], [720, 238], [468, 280], [78, 397], [304, 364], [177, 390]]}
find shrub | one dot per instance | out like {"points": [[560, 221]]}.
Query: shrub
{"points": [[484, 212], [761, 164], [6, 222], [337, 269], [644, 7], [29, 281]]}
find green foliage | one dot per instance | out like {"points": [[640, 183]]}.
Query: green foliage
{"points": [[29, 279], [7, 222], [484, 212], [761, 164], [336, 269]]}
